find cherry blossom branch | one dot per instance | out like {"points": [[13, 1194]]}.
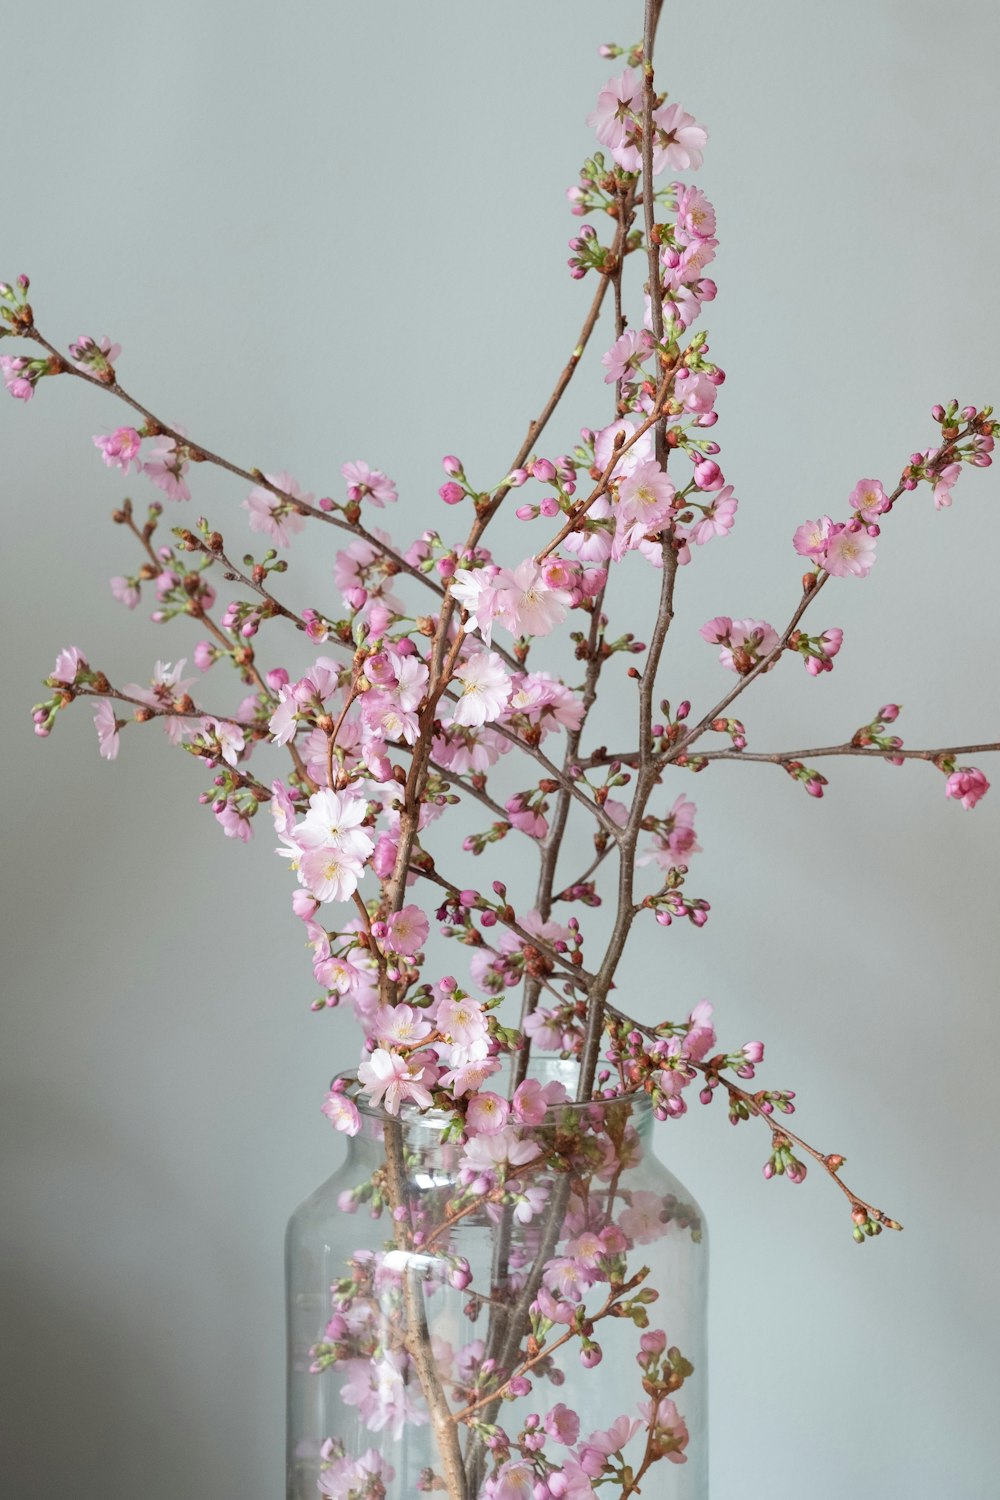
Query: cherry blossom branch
{"points": [[576, 972], [755, 1104], [615, 1296], [417, 1338], [578, 511], [156, 427], [870, 752], [651, 21], [192, 543]]}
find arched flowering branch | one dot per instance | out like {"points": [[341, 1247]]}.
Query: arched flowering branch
{"points": [[426, 696]]}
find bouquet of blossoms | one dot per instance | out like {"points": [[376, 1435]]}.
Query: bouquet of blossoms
{"points": [[519, 1233]]}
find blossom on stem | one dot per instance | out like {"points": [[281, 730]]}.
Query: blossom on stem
{"points": [[126, 591], [120, 449], [274, 515], [526, 602], [744, 642], [370, 484], [486, 688], [626, 352], [334, 822], [617, 103], [967, 785], [166, 466], [869, 499], [407, 932], [19, 377], [107, 730], [718, 518], [390, 1080], [95, 358], [849, 552]]}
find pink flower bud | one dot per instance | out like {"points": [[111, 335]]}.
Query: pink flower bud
{"points": [[707, 474], [452, 466], [889, 713], [452, 493], [526, 512], [325, 503], [517, 477], [543, 469], [591, 1356]]}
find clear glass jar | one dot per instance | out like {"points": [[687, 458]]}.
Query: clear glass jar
{"points": [[508, 1328]]}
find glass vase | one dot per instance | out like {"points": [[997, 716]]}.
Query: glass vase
{"points": [[519, 1318]]}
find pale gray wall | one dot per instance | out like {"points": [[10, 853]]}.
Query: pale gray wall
{"points": [[331, 231]]}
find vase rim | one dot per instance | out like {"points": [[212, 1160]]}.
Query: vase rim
{"points": [[546, 1067]]}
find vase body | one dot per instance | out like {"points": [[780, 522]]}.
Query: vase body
{"points": [[492, 1329]]}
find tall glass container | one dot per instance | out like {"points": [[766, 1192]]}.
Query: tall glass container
{"points": [[519, 1318]]}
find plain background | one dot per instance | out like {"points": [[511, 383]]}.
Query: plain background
{"points": [[338, 231]]}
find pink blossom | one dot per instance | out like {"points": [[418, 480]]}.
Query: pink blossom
{"points": [[463, 1024], [671, 1431], [718, 518], [20, 386], [234, 823], [944, 484], [107, 730], [568, 1278], [391, 1080], [68, 663], [120, 449], [484, 1153], [644, 496], [600, 1445], [812, 536], [544, 1030], [329, 873], [570, 1482], [487, 1113], [273, 515], [229, 737], [967, 785], [529, 1102], [679, 142], [745, 643], [334, 821], [515, 1480], [849, 553], [372, 484], [643, 1220], [486, 688], [869, 499], [526, 602], [617, 102], [408, 931], [695, 215], [466, 1078], [401, 1025], [94, 358], [632, 347], [640, 452], [675, 839], [166, 466], [695, 391], [126, 591], [562, 1425]]}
